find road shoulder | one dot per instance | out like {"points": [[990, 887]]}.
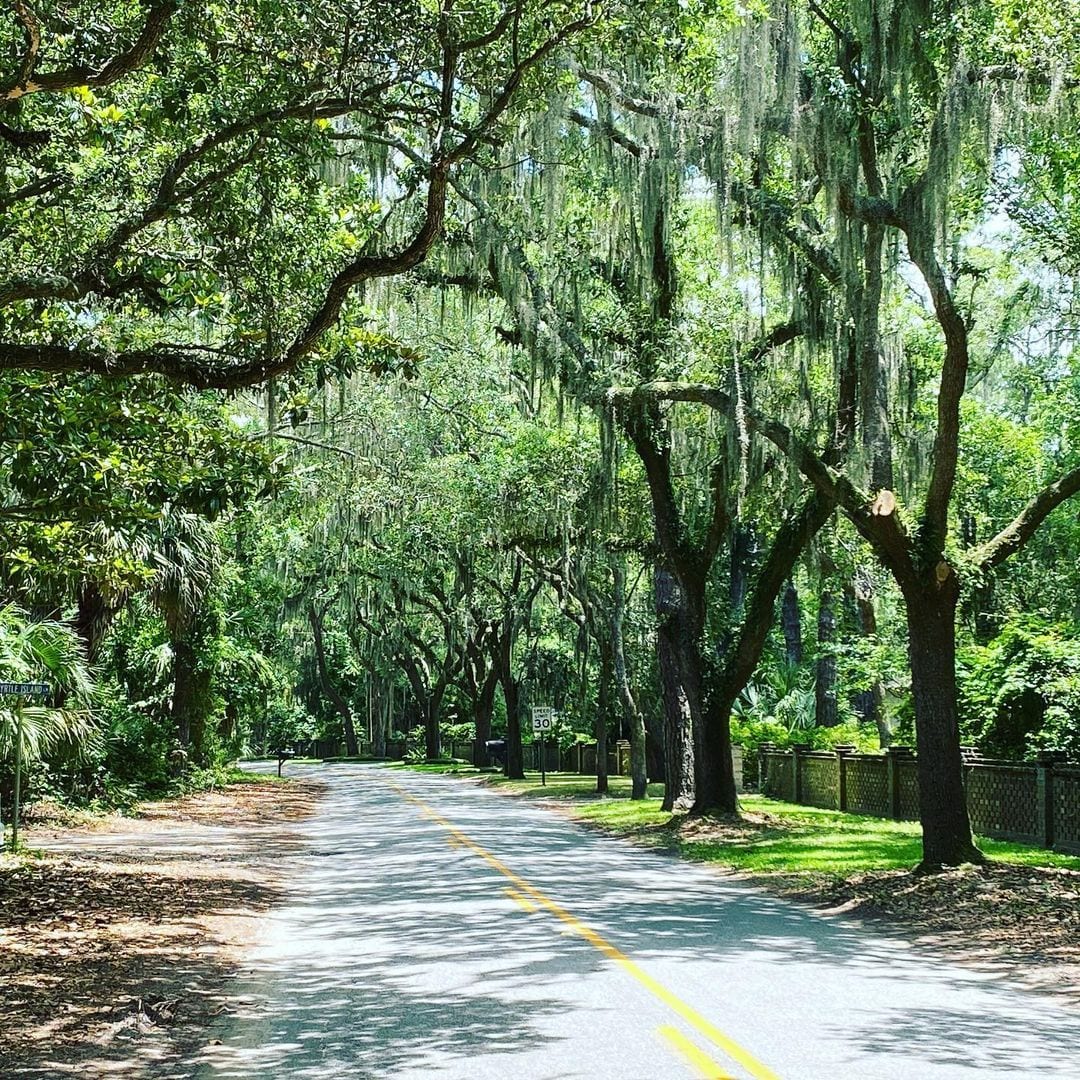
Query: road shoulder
{"points": [[119, 939]]}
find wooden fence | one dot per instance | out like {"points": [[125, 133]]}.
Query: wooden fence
{"points": [[1033, 802]]}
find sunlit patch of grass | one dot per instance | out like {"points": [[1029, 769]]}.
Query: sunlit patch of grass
{"points": [[454, 768], [773, 837]]}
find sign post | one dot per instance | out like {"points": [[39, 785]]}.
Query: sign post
{"points": [[9, 689], [543, 718]]}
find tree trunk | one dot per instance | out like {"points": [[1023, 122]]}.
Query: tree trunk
{"points": [[931, 611], [869, 704], [380, 723], [600, 727], [515, 757], [715, 782], [92, 619], [825, 714], [483, 707], [744, 554], [191, 692], [791, 620], [432, 735], [678, 717], [352, 748], [632, 718], [182, 705]]}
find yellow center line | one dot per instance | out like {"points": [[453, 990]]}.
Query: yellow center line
{"points": [[701, 1063], [521, 901], [733, 1050]]}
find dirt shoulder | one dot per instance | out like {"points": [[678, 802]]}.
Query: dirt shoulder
{"points": [[1021, 922], [119, 941]]}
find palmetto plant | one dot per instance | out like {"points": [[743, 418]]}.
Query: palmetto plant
{"points": [[41, 650]]}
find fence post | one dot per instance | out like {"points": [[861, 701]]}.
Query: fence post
{"points": [[893, 757], [1044, 797], [842, 750], [763, 751], [797, 766]]}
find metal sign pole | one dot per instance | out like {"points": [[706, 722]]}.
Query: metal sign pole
{"points": [[543, 761], [18, 779], [9, 689]]}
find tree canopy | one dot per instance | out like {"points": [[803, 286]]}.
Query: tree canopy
{"points": [[382, 369]]}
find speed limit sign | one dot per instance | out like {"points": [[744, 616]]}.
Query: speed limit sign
{"points": [[543, 718]]}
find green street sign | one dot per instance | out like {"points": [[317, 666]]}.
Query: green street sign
{"points": [[34, 688]]}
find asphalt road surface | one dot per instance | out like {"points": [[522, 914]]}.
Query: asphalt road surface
{"points": [[438, 930]]}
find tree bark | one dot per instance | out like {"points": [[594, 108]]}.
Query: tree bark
{"points": [[191, 692], [678, 719], [92, 619], [380, 719], [825, 713], [791, 620], [744, 554], [515, 756], [931, 611], [632, 716], [483, 707], [603, 695]]}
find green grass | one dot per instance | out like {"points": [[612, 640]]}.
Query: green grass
{"points": [[571, 786], [790, 840]]}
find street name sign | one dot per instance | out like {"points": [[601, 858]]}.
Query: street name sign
{"points": [[8, 688]]}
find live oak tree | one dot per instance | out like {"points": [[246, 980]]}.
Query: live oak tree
{"points": [[871, 171], [200, 190]]}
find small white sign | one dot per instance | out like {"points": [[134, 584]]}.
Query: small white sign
{"points": [[543, 718]]}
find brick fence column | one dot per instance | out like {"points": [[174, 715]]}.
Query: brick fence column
{"points": [[763, 751], [797, 767]]}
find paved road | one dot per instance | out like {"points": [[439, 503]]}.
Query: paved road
{"points": [[438, 930]]}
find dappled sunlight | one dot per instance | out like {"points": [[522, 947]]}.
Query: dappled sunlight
{"points": [[407, 953]]}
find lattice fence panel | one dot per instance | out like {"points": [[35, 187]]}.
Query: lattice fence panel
{"points": [[1003, 801], [909, 790], [821, 782], [780, 776], [1067, 809], [866, 790]]}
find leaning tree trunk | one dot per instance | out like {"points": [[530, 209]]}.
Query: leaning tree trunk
{"points": [[678, 714], [931, 617]]}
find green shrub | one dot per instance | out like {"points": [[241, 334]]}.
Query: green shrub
{"points": [[1021, 692]]}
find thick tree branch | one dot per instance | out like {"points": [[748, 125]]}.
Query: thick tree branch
{"points": [[875, 518], [157, 22], [45, 185], [188, 366], [1021, 529]]}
